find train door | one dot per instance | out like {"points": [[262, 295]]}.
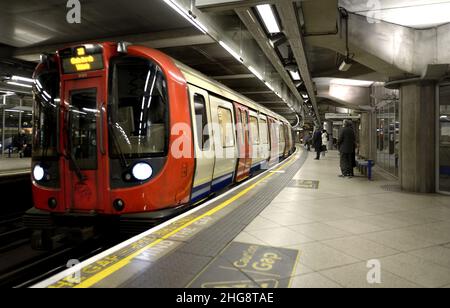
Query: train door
{"points": [[243, 139], [204, 147], [84, 148], [287, 142], [274, 141], [255, 141], [226, 150], [264, 140]]}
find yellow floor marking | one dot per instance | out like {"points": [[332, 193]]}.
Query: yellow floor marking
{"points": [[117, 266]]}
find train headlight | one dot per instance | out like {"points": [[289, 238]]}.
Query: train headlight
{"points": [[142, 171], [38, 173]]}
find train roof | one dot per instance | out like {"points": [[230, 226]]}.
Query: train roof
{"points": [[202, 81]]}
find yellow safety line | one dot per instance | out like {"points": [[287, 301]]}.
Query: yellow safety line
{"points": [[120, 264], [297, 260]]}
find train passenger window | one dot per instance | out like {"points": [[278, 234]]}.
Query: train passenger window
{"points": [[201, 119], [139, 113], [264, 133], [254, 129], [226, 127], [281, 132]]}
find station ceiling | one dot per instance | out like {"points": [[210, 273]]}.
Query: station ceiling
{"points": [[30, 27]]}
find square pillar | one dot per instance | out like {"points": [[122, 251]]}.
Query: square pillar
{"points": [[418, 137]]}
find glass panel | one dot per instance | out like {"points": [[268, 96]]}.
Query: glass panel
{"points": [[139, 114], [83, 128], [254, 130], [45, 121], [202, 122], [226, 127], [444, 139], [263, 129]]}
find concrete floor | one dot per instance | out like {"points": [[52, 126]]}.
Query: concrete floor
{"points": [[345, 223], [14, 164]]}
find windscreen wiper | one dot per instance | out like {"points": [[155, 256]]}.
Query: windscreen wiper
{"points": [[75, 167], [123, 160]]}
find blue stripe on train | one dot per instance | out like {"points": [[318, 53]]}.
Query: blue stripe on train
{"points": [[201, 192], [445, 170], [222, 182]]}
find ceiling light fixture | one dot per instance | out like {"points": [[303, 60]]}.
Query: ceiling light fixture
{"points": [[19, 84], [23, 79], [295, 75], [231, 51], [347, 63], [256, 73], [268, 16], [187, 15]]}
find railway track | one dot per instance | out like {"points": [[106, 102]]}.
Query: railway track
{"points": [[23, 267]]}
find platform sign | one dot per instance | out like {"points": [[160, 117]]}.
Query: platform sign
{"points": [[249, 266], [305, 184], [343, 116]]}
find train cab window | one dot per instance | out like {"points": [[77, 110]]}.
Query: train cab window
{"points": [[201, 118], [45, 113], [83, 128], [264, 133], [254, 129], [226, 127], [139, 112]]}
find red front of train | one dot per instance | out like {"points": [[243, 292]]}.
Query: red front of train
{"points": [[105, 124]]}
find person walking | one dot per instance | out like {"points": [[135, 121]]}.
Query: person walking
{"points": [[317, 142], [346, 146], [324, 142], [307, 141]]}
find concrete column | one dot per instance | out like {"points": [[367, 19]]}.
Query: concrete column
{"points": [[368, 135], [417, 137], [364, 136]]}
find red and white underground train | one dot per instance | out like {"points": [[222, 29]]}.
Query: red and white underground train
{"points": [[126, 131]]}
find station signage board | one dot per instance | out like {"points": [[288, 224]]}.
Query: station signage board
{"points": [[343, 116]]}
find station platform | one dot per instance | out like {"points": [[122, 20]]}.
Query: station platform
{"points": [[297, 225], [14, 166]]}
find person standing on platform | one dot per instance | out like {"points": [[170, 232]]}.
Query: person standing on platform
{"points": [[317, 142], [346, 146], [325, 140], [307, 141]]}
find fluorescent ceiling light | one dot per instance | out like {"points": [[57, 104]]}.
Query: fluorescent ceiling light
{"points": [[180, 10], [231, 51], [19, 84], [270, 87], [255, 72], [410, 14], [268, 16], [295, 76], [8, 93], [352, 82], [24, 79], [305, 96]]}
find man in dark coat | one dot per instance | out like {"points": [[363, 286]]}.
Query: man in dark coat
{"points": [[317, 142], [346, 146]]}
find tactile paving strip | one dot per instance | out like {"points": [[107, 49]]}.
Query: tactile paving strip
{"points": [[180, 267]]}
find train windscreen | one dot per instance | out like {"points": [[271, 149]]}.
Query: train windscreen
{"points": [[45, 121], [138, 109]]}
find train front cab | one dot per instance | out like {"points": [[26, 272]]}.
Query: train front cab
{"points": [[114, 116]]}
